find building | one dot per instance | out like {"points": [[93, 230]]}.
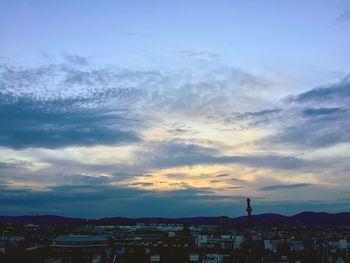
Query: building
{"points": [[81, 248]]}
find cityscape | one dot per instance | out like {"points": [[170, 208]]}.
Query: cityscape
{"points": [[307, 237], [175, 131]]}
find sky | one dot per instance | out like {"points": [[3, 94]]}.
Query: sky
{"points": [[174, 108]]}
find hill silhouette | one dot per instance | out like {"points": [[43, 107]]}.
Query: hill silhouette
{"points": [[304, 218]]}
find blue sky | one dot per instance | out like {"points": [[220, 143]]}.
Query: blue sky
{"points": [[142, 106]]}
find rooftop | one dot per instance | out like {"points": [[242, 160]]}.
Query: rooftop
{"points": [[80, 238]]}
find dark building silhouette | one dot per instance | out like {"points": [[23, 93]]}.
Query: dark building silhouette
{"points": [[81, 248], [225, 224]]}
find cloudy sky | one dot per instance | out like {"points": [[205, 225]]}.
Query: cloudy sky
{"points": [[174, 108]]}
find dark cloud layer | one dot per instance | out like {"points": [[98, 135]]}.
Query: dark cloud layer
{"points": [[322, 111], [29, 123], [314, 119], [172, 154], [261, 116], [338, 91], [315, 133], [81, 200], [11, 165]]}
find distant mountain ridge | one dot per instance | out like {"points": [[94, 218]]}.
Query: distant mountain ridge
{"points": [[42, 219], [304, 218]]}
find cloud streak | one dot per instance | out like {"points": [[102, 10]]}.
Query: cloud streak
{"points": [[317, 118], [173, 154], [284, 187]]}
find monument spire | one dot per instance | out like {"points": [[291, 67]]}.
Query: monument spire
{"points": [[249, 211]]}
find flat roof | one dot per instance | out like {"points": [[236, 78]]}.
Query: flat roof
{"points": [[79, 238]]}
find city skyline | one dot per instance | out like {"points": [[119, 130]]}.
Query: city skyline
{"points": [[112, 108]]}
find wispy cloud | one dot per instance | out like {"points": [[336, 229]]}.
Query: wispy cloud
{"points": [[335, 92], [284, 186], [322, 111], [316, 118], [345, 16], [173, 153], [161, 132]]}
